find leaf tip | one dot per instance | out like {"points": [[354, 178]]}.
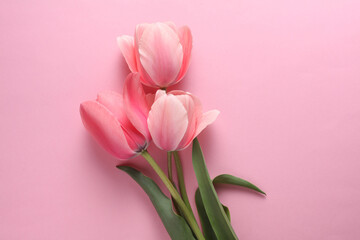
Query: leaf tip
{"points": [[123, 167]]}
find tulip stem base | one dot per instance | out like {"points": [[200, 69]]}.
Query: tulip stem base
{"points": [[174, 193]]}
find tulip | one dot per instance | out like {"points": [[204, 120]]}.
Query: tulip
{"points": [[119, 122], [176, 118], [160, 52]]}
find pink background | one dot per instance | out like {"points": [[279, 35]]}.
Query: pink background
{"points": [[284, 74]]}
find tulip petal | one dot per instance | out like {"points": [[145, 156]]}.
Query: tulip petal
{"points": [[113, 101], [161, 54], [189, 104], [145, 78], [160, 93], [140, 28], [106, 129], [186, 42], [150, 98], [167, 122], [136, 105], [206, 119], [194, 109], [172, 25], [127, 48]]}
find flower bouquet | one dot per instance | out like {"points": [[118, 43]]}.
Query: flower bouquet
{"points": [[124, 124]]}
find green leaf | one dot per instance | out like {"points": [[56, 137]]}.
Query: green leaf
{"points": [[232, 180], [227, 211], [175, 225], [222, 179], [206, 226], [229, 179], [209, 233], [213, 208]]}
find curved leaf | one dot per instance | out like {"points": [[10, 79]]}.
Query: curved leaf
{"points": [[229, 179], [222, 179], [175, 225], [232, 180], [213, 208]]}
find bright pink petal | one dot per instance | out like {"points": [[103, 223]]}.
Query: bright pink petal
{"points": [[114, 103], [206, 119], [186, 42], [167, 122], [126, 45], [161, 54], [136, 105], [150, 98], [106, 129]]}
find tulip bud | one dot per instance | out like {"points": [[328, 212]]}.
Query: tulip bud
{"points": [[119, 122], [176, 118]]}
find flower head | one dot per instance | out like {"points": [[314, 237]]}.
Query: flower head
{"points": [[160, 52], [119, 122], [176, 118]]}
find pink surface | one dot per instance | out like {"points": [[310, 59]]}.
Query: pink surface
{"points": [[284, 74]]}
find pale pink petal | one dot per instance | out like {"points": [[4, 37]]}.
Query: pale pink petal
{"points": [[140, 28], [171, 25], [127, 48], [136, 105], [194, 109], [189, 105], [161, 54], [106, 129], [145, 78], [113, 101], [167, 122], [197, 103], [206, 119], [159, 93], [186, 42]]}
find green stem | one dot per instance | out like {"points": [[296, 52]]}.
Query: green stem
{"points": [[174, 193], [181, 181], [169, 165]]}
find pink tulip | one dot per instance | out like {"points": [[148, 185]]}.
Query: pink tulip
{"points": [[160, 52], [119, 122], [176, 118]]}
